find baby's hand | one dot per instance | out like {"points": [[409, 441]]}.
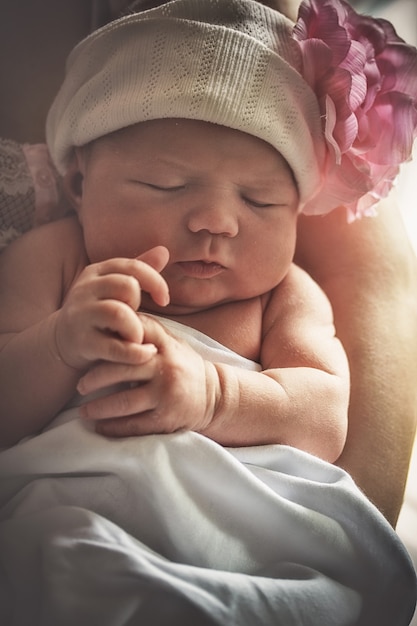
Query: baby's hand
{"points": [[98, 320], [175, 389]]}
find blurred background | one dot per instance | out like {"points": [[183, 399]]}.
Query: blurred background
{"points": [[403, 14]]}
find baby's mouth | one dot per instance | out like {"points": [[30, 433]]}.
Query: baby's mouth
{"points": [[200, 269]]}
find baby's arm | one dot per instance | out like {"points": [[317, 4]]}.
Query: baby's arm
{"points": [[300, 398], [35, 271], [58, 317]]}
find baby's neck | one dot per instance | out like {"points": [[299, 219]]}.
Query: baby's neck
{"points": [[236, 325]]}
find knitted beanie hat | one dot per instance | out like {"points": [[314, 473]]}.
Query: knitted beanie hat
{"points": [[335, 94], [227, 62]]}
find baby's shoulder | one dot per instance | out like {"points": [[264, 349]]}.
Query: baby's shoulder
{"points": [[53, 252], [60, 238], [298, 295], [298, 280]]}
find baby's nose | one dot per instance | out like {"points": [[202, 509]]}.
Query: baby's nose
{"points": [[217, 215]]}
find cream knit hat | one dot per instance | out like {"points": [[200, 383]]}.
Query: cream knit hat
{"points": [[229, 62]]}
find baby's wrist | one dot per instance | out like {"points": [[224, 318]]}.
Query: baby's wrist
{"points": [[213, 396], [56, 348]]}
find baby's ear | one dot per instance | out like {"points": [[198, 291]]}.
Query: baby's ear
{"points": [[73, 179]]}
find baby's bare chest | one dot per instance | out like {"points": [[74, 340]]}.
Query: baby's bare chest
{"points": [[236, 325]]}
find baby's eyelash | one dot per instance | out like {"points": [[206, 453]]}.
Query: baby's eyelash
{"points": [[159, 187], [162, 188], [258, 205], [165, 188]]}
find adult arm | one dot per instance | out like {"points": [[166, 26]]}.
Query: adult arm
{"points": [[369, 272]]}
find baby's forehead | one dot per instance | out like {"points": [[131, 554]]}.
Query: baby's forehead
{"points": [[183, 143]]}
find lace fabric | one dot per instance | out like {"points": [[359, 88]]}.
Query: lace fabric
{"points": [[29, 189]]}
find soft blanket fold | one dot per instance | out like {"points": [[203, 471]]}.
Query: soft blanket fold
{"points": [[175, 529]]}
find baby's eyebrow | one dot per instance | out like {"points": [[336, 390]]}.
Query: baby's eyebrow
{"points": [[266, 183], [174, 162], [253, 181]]}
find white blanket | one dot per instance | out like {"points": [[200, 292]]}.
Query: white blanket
{"points": [[175, 529]]}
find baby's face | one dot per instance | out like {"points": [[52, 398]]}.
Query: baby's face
{"points": [[224, 203]]}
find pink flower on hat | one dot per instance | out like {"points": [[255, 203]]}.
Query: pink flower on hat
{"points": [[365, 79]]}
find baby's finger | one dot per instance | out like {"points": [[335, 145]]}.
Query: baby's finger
{"points": [[131, 426], [156, 257], [101, 346], [152, 282], [112, 316], [106, 374], [154, 332], [118, 287], [149, 279], [128, 402]]}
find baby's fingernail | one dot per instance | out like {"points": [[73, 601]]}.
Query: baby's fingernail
{"points": [[150, 348], [81, 387]]}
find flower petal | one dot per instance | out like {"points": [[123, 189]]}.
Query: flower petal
{"points": [[317, 59], [396, 125], [320, 20], [365, 80]]}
